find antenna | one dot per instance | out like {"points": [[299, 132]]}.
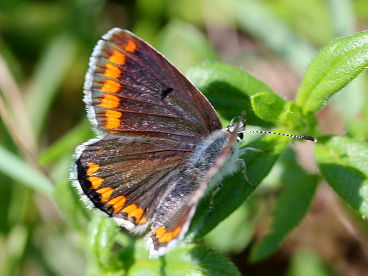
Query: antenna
{"points": [[310, 138]]}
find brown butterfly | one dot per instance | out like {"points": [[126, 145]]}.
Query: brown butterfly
{"points": [[159, 145]]}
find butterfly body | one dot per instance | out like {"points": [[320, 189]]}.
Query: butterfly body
{"points": [[160, 145]]}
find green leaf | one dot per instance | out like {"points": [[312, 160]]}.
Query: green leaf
{"points": [[101, 241], [228, 89], [267, 106], [306, 263], [186, 259], [343, 162], [333, 68], [239, 232], [215, 207], [16, 168], [291, 206]]}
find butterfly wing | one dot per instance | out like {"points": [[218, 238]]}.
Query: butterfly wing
{"points": [[126, 177], [132, 89], [149, 118]]}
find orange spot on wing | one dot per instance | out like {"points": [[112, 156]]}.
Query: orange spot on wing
{"points": [[112, 71], [110, 101], [138, 213], [163, 235], [105, 193], [111, 86], [92, 168], [117, 57], [95, 181], [117, 203], [130, 46], [142, 220], [113, 119], [160, 232], [134, 211]]}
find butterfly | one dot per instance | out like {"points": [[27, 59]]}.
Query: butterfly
{"points": [[160, 144]]}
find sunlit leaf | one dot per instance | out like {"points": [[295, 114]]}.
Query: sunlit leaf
{"points": [[334, 67], [268, 106]]}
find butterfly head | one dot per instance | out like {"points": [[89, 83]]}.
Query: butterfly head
{"points": [[238, 126]]}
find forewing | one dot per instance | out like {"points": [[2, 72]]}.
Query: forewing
{"points": [[132, 89], [126, 177]]}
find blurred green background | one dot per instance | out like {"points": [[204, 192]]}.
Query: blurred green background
{"points": [[44, 52]]}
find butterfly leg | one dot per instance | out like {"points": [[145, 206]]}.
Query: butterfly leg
{"points": [[243, 167], [243, 151]]}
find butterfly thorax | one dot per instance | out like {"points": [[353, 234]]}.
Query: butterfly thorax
{"points": [[206, 153]]}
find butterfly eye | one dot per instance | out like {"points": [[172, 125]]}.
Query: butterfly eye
{"points": [[240, 136]]}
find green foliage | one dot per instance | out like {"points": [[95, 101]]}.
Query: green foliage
{"points": [[44, 52], [186, 259], [305, 263], [343, 162], [268, 106], [333, 68], [212, 79], [296, 196], [16, 168]]}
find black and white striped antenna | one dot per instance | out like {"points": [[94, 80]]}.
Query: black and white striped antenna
{"points": [[310, 138]]}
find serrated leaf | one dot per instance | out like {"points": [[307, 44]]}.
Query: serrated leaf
{"points": [[333, 68], [186, 259], [291, 206], [267, 106], [217, 206], [343, 162], [228, 89]]}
